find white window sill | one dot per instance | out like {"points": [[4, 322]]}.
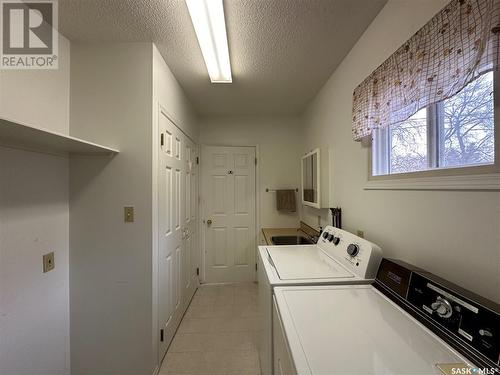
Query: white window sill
{"points": [[490, 181]]}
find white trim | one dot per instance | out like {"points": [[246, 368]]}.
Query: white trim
{"points": [[257, 208], [155, 149], [201, 214], [490, 181]]}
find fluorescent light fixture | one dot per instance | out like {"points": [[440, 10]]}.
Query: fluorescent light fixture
{"points": [[210, 27]]}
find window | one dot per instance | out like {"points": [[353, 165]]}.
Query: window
{"points": [[458, 132]]}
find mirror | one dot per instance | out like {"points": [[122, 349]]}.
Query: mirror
{"points": [[310, 179]]}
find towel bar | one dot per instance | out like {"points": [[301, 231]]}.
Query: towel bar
{"points": [[274, 190]]}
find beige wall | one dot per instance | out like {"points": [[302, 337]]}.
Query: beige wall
{"points": [[453, 234], [279, 143]]}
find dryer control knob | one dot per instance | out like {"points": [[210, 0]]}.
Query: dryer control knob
{"points": [[353, 250], [442, 307]]}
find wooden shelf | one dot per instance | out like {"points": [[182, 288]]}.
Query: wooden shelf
{"points": [[16, 135]]}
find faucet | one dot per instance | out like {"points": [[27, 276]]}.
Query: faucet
{"points": [[313, 238]]}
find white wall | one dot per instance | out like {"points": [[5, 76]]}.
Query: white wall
{"points": [[34, 308], [279, 140], [453, 234], [169, 94], [112, 263], [38, 97], [34, 220]]}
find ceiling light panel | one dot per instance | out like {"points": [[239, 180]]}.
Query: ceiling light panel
{"points": [[210, 27]]}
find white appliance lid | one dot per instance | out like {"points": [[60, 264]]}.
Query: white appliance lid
{"points": [[305, 262], [356, 330]]}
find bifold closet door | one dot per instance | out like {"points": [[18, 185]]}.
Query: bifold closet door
{"points": [[177, 217], [189, 271]]}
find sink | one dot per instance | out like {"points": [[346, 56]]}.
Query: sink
{"points": [[291, 240]]}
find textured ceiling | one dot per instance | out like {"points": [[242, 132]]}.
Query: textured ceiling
{"points": [[282, 51]]}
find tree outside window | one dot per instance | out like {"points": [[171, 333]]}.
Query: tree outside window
{"points": [[457, 132]]}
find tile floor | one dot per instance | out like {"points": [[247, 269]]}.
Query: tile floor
{"points": [[218, 334]]}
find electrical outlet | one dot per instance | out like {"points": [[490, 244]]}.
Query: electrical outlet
{"points": [[128, 214], [48, 262], [361, 233]]}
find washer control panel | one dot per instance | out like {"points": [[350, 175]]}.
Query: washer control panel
{"points": [[357, 254], [468, 322], [474, 324]]}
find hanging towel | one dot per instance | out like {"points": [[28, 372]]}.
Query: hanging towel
{"points": [[285, 200]]}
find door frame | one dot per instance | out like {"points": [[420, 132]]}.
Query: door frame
{"points": [[201, 207]]}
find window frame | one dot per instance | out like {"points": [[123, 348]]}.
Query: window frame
{"points": [[472, 177]]}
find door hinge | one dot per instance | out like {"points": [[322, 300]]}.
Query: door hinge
{"points": [[255, 266], [197, 160], [161, 335], [255, 161], [198, 271], [162, 139]]}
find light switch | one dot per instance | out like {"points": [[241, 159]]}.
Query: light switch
{"points": [[48, 262], [129, 214]]}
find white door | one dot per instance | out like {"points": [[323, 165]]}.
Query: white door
{"points": [[177, 217], [190, 175], [228, 193]]}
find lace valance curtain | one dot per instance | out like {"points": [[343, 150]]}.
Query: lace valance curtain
{"points": [[456, 46]]}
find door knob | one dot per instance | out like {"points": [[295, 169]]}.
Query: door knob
{"points": [[209, 222]]}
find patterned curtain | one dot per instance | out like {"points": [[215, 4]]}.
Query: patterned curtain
{"points": [[456, 46]]}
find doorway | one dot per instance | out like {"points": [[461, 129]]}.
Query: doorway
{"points": [[228, 198]]}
